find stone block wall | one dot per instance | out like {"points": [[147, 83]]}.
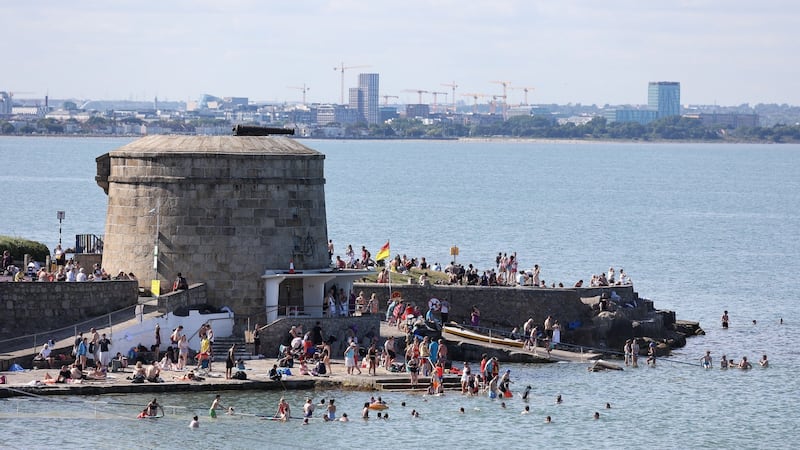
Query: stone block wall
{"points": [[222, 209], [34, 307], [195, 295], [501, 307]]}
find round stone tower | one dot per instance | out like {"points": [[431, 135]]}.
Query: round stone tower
{"points": [[221, 210]]}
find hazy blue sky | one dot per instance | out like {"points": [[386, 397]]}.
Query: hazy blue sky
{"points": [[726, 52]]}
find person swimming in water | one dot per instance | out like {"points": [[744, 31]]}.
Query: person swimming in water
{"points": [[215, 405], [706, 360], [153, 407], [527, 392], [745, 364]]}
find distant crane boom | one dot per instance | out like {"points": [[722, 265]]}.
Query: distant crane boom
{"points": [[304, 89], [387, 97], [475, 98], [418, 91], [505, 84], [525, 90], [341, 69], [453, 86], [434, 93]]}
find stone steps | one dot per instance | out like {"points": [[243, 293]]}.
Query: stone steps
{"points": [[450, 382], [221, 345]]}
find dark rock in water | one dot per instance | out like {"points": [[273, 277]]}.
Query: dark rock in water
{"points": [[675, 340], [614, 328], [687, 327], [662, 348]]}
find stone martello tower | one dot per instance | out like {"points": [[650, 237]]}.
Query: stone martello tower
{"points": [[222, 210]]}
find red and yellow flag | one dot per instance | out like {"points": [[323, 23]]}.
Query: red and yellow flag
{"points": [[383, 253]]}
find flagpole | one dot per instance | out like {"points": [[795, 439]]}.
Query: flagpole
{"points": [[389, 268]]}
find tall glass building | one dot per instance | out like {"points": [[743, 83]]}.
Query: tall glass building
{"points": [[665, 98], [368, 85]]}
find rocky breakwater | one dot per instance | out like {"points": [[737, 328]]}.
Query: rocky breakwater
{"points": [[602, 318], [616, 319]]}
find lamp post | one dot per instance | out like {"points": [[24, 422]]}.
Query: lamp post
{"points": [[155, 284], [60, 215]]}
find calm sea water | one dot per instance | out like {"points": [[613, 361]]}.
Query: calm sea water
{"points": [[700, 228]]}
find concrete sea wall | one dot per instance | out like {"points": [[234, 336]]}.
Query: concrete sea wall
{"points": [[33, 307]]}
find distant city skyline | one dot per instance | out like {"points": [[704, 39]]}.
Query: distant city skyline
{"points": [[582, 51]]}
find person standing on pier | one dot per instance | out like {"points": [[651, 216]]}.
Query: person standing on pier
{"points": [[256, 340], [103, 346]]}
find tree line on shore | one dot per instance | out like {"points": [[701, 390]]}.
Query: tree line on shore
{"points": [[541, 127]]}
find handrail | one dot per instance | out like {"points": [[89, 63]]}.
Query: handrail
{"points": [[207, 321], [106, 321]]}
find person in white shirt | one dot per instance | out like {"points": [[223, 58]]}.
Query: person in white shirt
{"points": [[44, 355]]}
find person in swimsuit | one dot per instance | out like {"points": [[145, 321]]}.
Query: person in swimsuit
{"points": [[372, 355], [413, 370], [284, 412], [725, 319], [331, 411], [706, 360], [745, 364], [153, 407], [215, 405], [308, 408]]}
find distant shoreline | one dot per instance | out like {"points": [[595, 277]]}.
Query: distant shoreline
{"points": [[519, 140]]}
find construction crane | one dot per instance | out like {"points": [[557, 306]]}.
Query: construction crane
{"points": [[387, 97], [341, 69], [12, 94], [304, 89], [418, 91], [505, 84], [525, 90], [434, 93], [475, 98], [452, 86]]}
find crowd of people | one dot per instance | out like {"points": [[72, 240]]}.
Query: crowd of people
{"points": [[62, 270], [506, 271]]}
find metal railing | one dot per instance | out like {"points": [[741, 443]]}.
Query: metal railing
{"points": [[106, 321], [189, 338], [88, 243]]}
